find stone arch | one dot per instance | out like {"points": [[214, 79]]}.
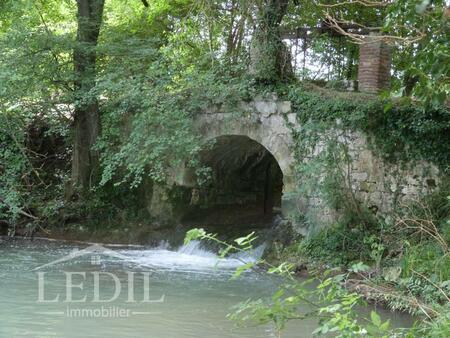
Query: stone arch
{"points": [[271, 132], [269, 123]]}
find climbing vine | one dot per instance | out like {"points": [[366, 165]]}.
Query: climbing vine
{"points": [[330, 120], [396, 129]]}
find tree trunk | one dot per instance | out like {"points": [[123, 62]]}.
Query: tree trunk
{"points": [[270, 58], [86, 117]]}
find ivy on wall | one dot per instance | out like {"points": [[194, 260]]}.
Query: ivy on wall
{"points": [[397, 131]]}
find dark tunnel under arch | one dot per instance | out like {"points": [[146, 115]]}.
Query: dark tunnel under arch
{"points": [[245, 183]]}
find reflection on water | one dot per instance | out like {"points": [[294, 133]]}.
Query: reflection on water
{"points": [[189, 293]]}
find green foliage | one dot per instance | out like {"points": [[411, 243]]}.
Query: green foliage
{"points": [[339, 245], [329, 301], [425, 258], [437, 327], [13, 165], [32, 167], [376, 249], [34, 95], [147, 122], [160, 66], [422, 66], [412, 255], [396, 129], [193, 235], [418, 247]]}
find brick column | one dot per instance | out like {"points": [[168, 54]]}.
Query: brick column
{"points": [[374, 65]]}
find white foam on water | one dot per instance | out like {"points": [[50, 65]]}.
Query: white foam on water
{"points": [[191, 257]]}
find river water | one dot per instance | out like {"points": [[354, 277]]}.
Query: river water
{"points": [[54, 289]]}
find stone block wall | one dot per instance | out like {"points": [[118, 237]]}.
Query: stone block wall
{"points": [[379, 185], [384, 186]]}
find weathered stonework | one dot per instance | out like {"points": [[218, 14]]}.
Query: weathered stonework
{"points": [[263, 121], [379, 185], [384, 185]]}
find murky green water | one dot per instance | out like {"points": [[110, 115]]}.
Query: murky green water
{"points": [[189, 293]]}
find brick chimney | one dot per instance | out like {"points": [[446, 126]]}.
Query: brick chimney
{"points": [[374, 65]]}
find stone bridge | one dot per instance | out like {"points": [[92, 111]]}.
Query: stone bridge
{"points": [[250, 156], [249, 164]]}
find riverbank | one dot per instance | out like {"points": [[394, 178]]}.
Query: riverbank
{"points": [[211, 282], [362, 282], [369, 286], [385, 285], [376, 286], [383, 280], [399, 267]]}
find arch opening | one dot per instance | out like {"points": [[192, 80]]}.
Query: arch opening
{"points": [[241, 185]]}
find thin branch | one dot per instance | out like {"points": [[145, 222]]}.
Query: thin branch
{"points": [[48, 31], [360, 2], [23, 151], [24, 213], [360, 38], [434, 284]]}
